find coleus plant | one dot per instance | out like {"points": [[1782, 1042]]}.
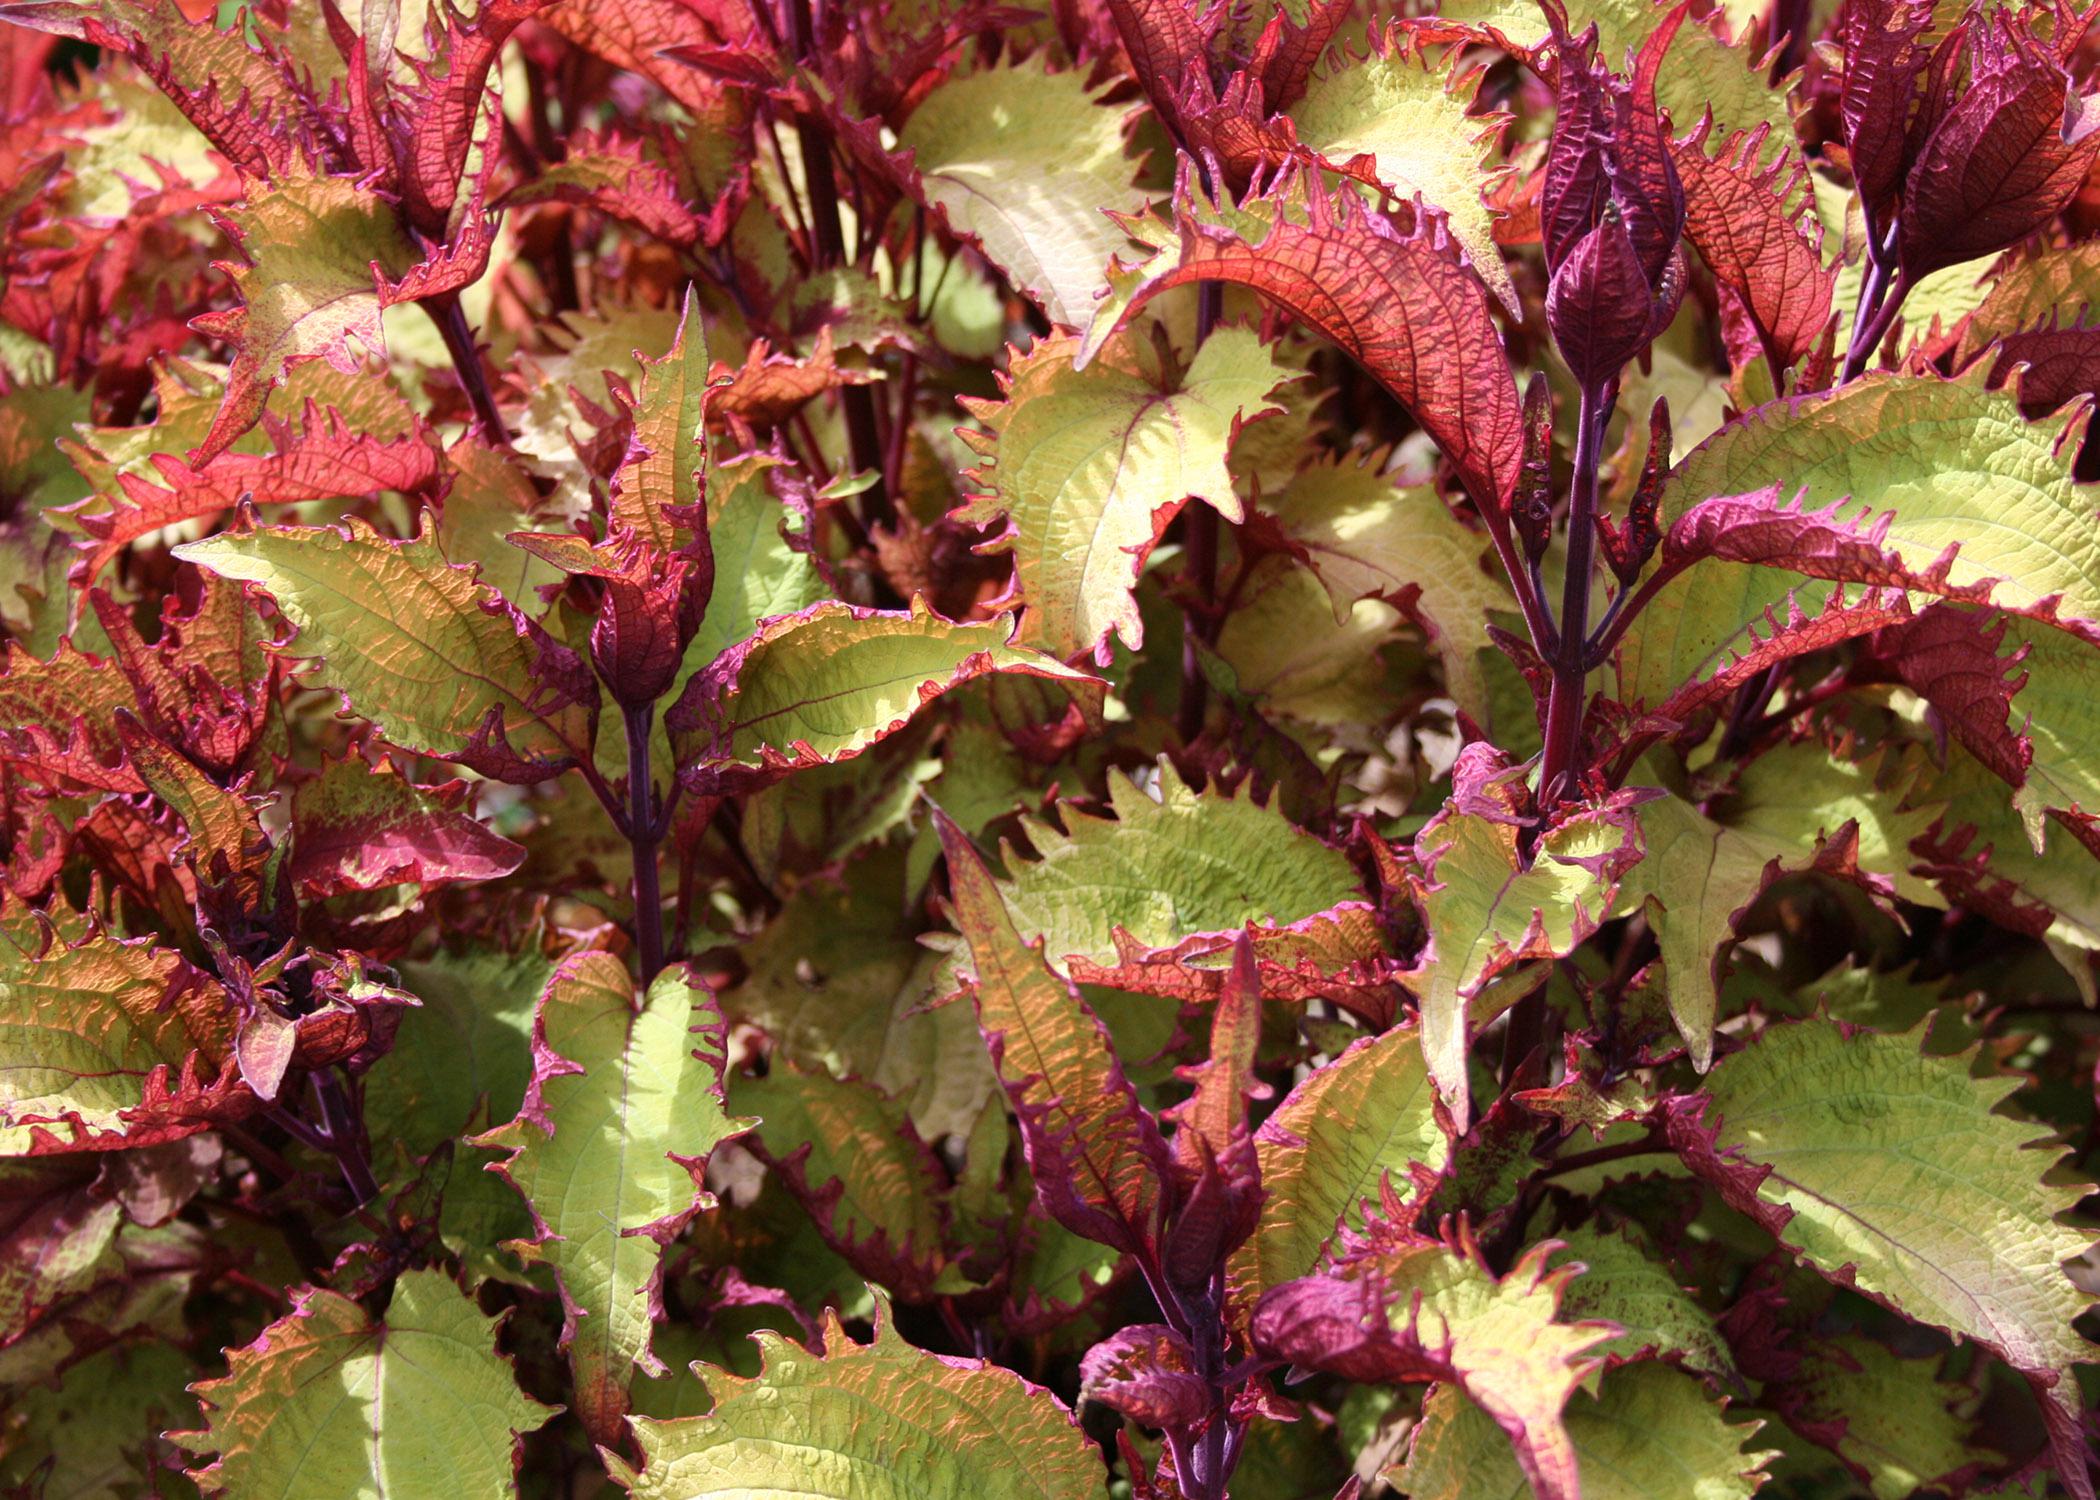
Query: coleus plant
{"points": [[1165, 749]]}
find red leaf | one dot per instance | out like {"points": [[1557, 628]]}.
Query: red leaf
{"points": [[1401, 303], [1756, 229], [1949, 657]]}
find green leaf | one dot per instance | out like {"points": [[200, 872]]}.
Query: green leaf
{"points": [[1370, 538], [1648, 1431], [105, 1043], [328, 1402], [1088, 467], [1898, 1427], [1948, 462], [2061, 282], [826, 684], [1795, 809], [1330, 1147], [849, 1153], [1171, 864], [667, 454], [759, 572], [411, 642], [1023, 161], [833, 979], [1288, 653], [1625, 1281], [1486, 910], [307, 290], [1100, 1165], [608, 1149], [874, 1421], [1413, 116], [1406, 1307], [1890, 1170], [99, 1428]]}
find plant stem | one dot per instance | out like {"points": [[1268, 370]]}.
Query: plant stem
{"points": [[1558, 771], [1880, 298], [451, 320], [643, 835], [1201, 528], [345, 1135], [1649, 1145]]}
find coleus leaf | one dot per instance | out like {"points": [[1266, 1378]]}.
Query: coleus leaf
{"points": [[866, 1422], [1176, 866], [311, 244], [616, 175], [1361, 1122], [327, 1399], [663, 471], [849, 1153], [1755, 227], [1407, 1308], [112, 1043], [1148, 1373], [99, 1431], [625, 1105], [827, 683], [1646, 1430], [443, 663], [236, 95], [2056, 285], [1873, 483], [325, 460], [1696, 880], [1404, 305], [1368, 538], [1414, 118], [360, 827], [1701, 74], [1892, 1421], [1964, 1237], [61, 718], [1487, 907], [1100, 1165], [1626, 1281], [1088, 467], [762, 568], [1022, 160]]}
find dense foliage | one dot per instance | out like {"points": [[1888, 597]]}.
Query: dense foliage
{"points": [[924, 749]]}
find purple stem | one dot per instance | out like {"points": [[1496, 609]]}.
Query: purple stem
{"points": [[1201, 529], [451, 320], [643, 835], [346, 1137], [1571, 656]]}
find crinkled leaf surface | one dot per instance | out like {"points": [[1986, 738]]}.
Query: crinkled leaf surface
{"points": [[1364, 1119], [1950, 462], [329, 1402], [1413, 116], [1648, 1431], [875, 1421], [1890, 1169], [108, 1043], [1172, 863], [1485, 910], [311, 243], [412, 642], [1087, 467], [759, 572], [1893, 1421], [1425, 1310], [824, 685], [625, 1105], [1024, 160], [1625, 1281], [848, 1151], [1099, 1161]]}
